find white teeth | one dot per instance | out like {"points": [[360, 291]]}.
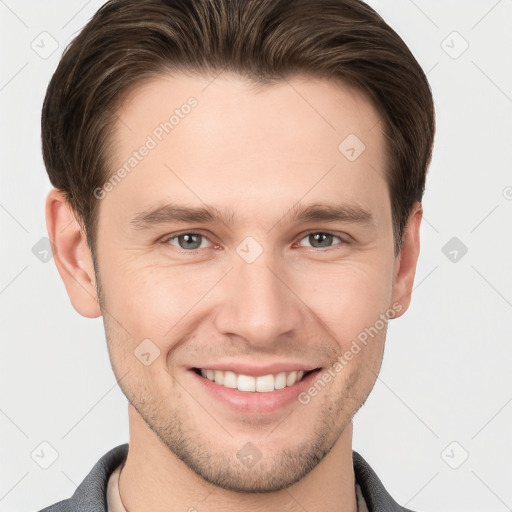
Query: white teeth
{"points": [[219, 377], [280, 381], [265, 384], [246, 383], [230, 380], [290, 380], [262, 384]]}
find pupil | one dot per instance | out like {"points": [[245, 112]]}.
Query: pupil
{"points": [[325, 236], [188, 240]]}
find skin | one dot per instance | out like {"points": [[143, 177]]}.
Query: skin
{"points": [[256, 152]]}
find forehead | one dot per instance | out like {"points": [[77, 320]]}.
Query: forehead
{"points": [[221, 139], [298, 108]]}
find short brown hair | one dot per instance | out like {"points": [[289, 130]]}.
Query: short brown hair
{"points": [[128, 41]]}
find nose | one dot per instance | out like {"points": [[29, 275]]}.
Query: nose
{"points": [[257, 303]]}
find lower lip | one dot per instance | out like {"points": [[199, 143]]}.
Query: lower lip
{"points": [[255, 402]]}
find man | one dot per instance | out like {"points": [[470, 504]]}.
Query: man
{"points": [[238, 190]]}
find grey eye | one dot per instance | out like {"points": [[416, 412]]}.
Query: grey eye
{"points": [[190, 241], [319, 240]]}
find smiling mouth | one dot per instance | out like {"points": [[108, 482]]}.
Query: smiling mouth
{"points": [[248, 383]]}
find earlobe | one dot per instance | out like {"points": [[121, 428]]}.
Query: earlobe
{"points": [[71, 254], [405, 263]]}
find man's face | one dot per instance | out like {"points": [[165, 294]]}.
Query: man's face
{"points": [[264, 292]]}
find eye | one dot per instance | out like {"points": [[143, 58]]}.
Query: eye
{"points": [[321, 240], [189, 241]]}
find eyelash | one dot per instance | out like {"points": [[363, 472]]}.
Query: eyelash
{"points": [[167, 239]]}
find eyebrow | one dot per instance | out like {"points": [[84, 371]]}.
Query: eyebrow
{"points": [[174, 212]]}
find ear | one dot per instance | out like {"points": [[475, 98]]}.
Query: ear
{"points": [[405, 263], [71, 254]]}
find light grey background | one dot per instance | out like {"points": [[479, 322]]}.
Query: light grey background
{"points": [[444, 391]]}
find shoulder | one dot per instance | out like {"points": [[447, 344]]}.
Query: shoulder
{"points": [[90, 495], [376, 496]]}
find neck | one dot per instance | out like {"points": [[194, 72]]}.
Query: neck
{"points": [[153, 478]]}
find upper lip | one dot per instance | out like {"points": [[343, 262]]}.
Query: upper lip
{"points": [[257, 370]]}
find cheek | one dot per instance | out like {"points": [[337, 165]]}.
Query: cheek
{"points": [[153, 302], [139, 293], [157, 301], [350, 298]]}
